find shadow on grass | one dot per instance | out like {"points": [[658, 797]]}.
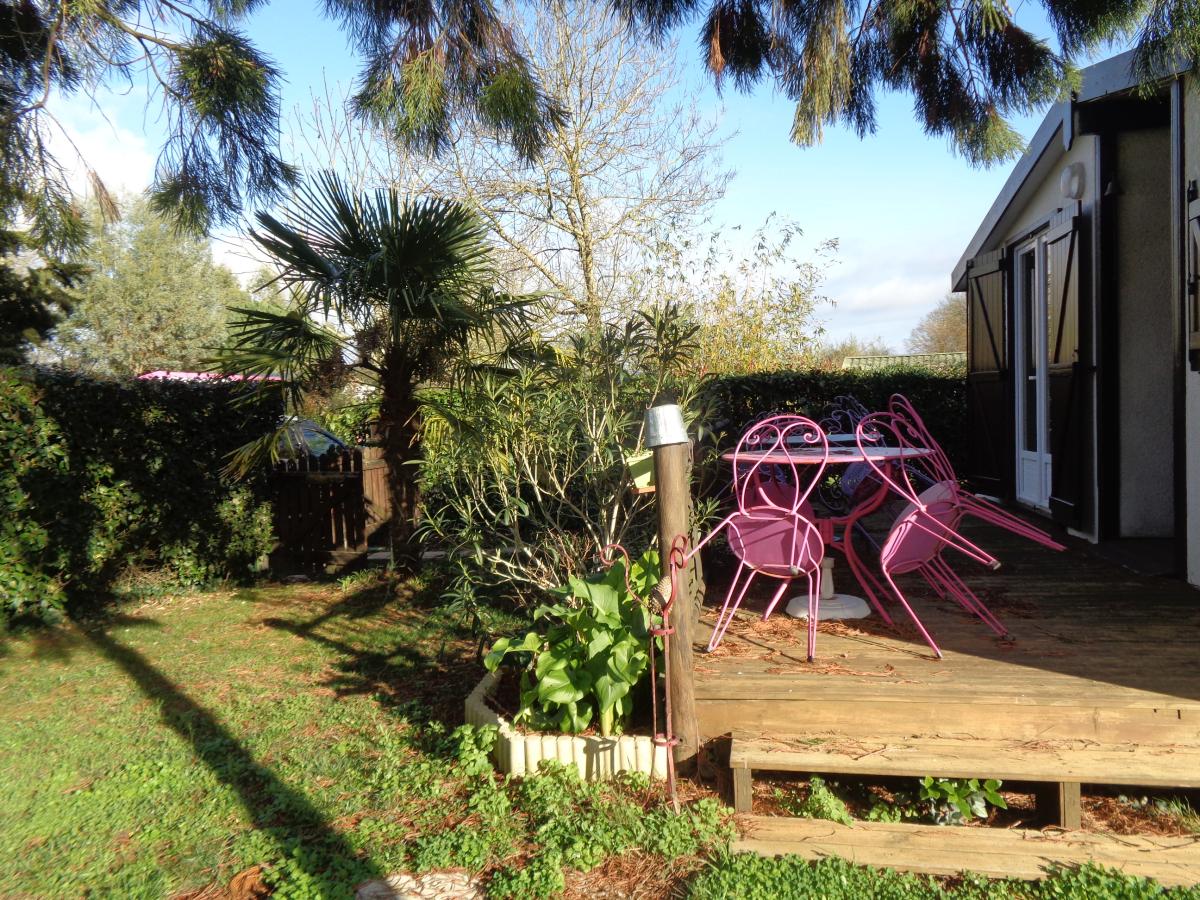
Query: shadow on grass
{"points": [[285, 815], [433, 665]]}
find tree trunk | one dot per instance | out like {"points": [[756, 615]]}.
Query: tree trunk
{"points": [[399, 420]]}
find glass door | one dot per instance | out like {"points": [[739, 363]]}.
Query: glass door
{"points": [[1032, 400]]}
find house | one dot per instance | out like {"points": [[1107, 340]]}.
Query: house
{"points": [[1084, 318]]}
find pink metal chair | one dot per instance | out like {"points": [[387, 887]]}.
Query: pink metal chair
{"points": [[772, 531], [928, 525], [899, 405], [842, 417]]}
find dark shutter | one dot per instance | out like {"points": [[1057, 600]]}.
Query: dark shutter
{"points": [[1068, 414], [992, 457], [1193, 277]]}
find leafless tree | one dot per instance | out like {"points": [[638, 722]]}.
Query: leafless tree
{"points": [[943, 329], [633, 161], [831, 354]]}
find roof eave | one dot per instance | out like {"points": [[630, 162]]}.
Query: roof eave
{"points": [[1042, 140], [1107, 77]]}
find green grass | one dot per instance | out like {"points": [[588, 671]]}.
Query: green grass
{"points": [[748, 877], [314, 732], [300, 728]]}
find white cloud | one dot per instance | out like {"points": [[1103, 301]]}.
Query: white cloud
{"points": [[117, 139], [237, 252], [92, 136], [883, 291]]}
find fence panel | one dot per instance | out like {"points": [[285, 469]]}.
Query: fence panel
{"points": [[322, 515]]}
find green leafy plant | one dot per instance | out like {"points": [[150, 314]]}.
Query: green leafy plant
{"points": [[955, 800], [896, 811], [592, 654], [749, 876], [822, 803], [525, 475]]}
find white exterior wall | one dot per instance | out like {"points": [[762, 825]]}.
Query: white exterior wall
{"points": [[1191, 171], [1146, 335], [1048, 198]]}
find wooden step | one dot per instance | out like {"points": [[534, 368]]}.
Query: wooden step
{"points": [[1062, 764], [1160, 765], [996, 852]]}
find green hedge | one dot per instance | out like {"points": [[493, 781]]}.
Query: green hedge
{"points": [[939, 395], [109, 478]]}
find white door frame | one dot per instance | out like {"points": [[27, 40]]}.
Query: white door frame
{"points": [[1033, 466]]}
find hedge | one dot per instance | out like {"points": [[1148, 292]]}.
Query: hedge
{"points": [[112, 477], [733, 401]]}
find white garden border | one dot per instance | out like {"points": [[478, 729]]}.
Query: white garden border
{"points": [[596, 758]]}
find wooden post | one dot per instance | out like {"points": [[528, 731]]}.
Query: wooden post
{"points": [[1058, 803], [671, 464]]}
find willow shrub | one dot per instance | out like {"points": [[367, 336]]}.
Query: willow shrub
{"points": [[939, 395], [525, 478], [105, 478]]}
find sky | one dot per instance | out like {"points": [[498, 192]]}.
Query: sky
{"points": [[901, 205]]}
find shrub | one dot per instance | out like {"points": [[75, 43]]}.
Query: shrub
{"points": [[525, 477], [940, 396], [111, 476], [28, 441]]}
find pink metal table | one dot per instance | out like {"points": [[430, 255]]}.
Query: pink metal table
{"points": [[830, 527]]}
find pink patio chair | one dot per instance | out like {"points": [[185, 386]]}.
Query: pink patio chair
{"points": [[928, 524], [842, 417], [772, 531], [843, 414], [899, 405]]}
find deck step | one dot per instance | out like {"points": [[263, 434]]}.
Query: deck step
{"points": [[996, 852], [1160, 765]]}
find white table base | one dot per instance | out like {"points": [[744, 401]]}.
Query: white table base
{"points": [[832, 606]]}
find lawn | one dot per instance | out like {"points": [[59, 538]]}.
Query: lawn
{"points": [[304, 739], [302, 728]]}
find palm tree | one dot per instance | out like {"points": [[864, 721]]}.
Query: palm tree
{"points": [[387, 291]]}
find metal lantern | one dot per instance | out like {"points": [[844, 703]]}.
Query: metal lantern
{"points": [[664, 425]]}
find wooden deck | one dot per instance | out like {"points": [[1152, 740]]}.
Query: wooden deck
{"points": [[1099, 655], [1099, 685]]}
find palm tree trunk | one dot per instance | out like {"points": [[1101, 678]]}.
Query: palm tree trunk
{"points": [[399, 416]]}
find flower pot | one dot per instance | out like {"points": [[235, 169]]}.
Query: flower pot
{"points": [[595, 757], [641, 470]]}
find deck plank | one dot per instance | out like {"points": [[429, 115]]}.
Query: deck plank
{"points": [[997, 852], [1076, 761]]}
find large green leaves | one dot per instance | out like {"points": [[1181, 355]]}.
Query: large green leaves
{"points": [[592, 654]]}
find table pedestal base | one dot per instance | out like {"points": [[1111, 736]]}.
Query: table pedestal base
{"points": [[832, 606]]}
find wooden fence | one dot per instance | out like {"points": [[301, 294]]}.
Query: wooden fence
{"points": [[329, 509]]}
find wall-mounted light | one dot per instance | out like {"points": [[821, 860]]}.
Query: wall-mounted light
{"points": [[1072, 181]]}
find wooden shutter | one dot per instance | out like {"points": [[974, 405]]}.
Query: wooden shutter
{"points": [[1193, 277], [1069, 415], [991, 458]]}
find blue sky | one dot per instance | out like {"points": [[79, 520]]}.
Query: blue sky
{"points": [[901, 204]]}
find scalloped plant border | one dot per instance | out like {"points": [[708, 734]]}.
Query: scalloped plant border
{"points": [[596, 758]]}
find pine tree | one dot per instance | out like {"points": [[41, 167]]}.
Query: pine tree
{"points": [[967, 64]]}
